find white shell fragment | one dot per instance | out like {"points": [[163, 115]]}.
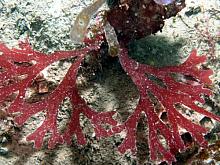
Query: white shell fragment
{"points": [[81, 23], [112, 40]]}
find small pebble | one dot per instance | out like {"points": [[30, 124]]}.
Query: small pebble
{"points": [[3, 151], [4, 140]]}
